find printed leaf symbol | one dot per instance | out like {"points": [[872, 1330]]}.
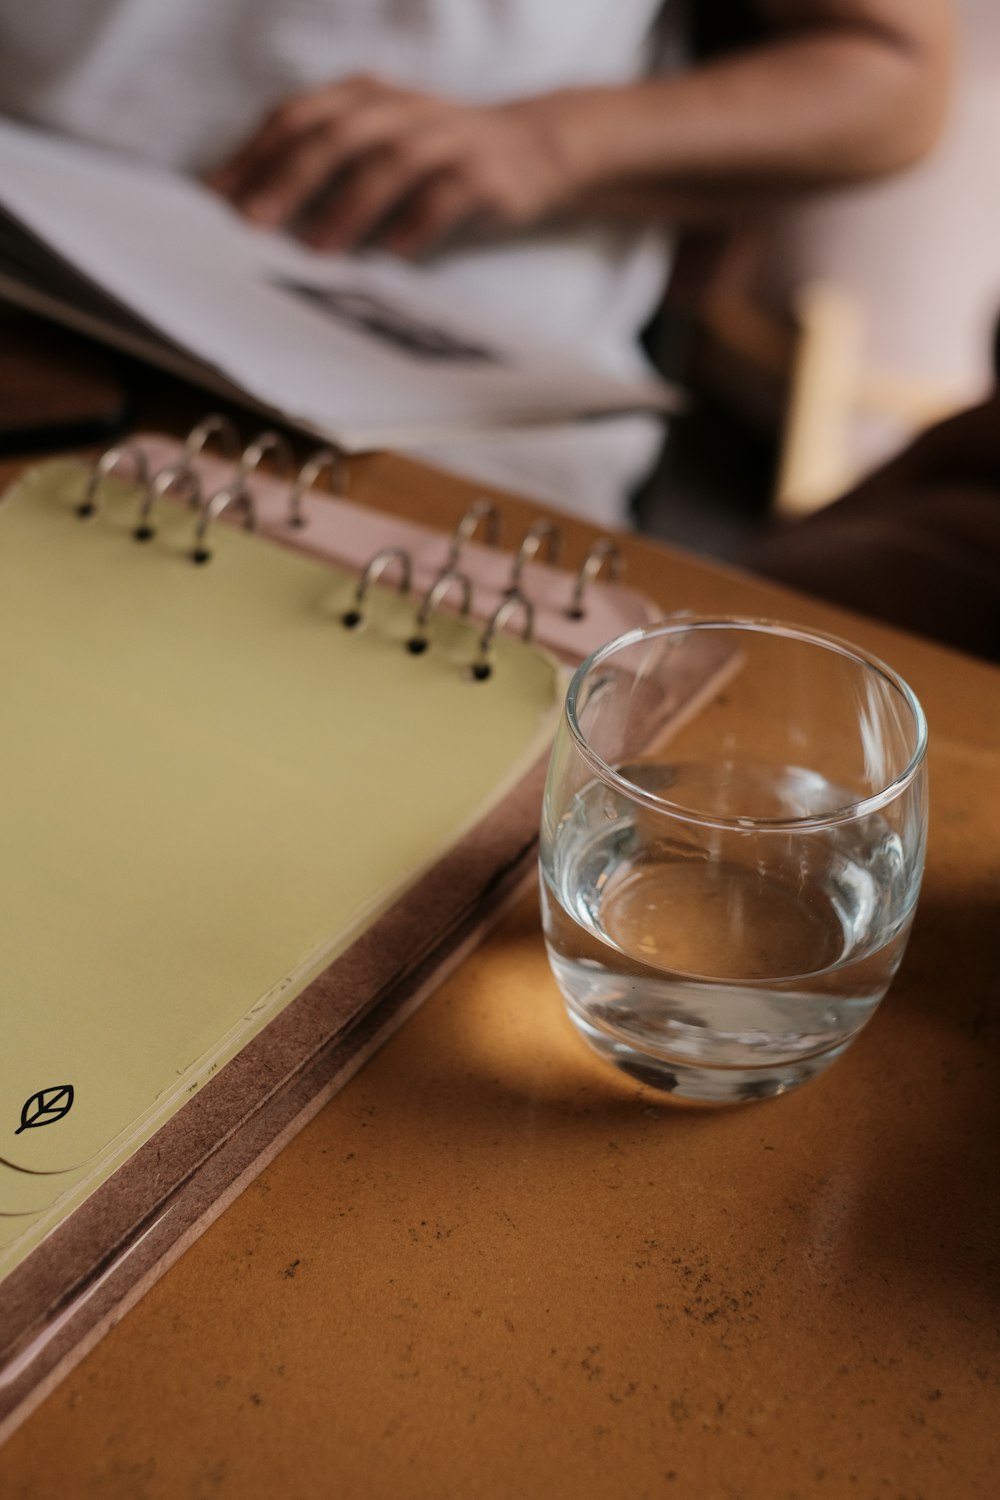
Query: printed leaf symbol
{"points": [[46, 1107]]}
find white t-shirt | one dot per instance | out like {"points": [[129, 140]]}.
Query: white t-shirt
{"points": [[183, 82]]}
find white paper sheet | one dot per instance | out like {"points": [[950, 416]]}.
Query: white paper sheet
{"points": [[359, 349]]}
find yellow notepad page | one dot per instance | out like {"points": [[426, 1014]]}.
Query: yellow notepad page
{"points": [[208, 787]]}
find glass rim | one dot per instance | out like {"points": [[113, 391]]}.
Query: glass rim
{"points": [[760, 625]]}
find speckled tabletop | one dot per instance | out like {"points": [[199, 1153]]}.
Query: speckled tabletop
{"points": [[492, 1267]]}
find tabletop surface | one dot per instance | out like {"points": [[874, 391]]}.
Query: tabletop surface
{"points": [[490, 1266]]}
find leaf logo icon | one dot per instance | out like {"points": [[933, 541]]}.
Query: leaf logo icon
{"points": [[46, 1107]]}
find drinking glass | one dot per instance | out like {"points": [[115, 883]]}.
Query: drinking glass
{"points": [[731, 851]]}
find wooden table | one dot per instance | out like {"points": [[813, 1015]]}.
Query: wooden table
{"points": [[491, 1267]]}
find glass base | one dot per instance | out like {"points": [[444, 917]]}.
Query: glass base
{"points": [[686, 1083]]}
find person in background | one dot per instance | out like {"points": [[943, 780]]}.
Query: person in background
{"points": [[537, 155]]}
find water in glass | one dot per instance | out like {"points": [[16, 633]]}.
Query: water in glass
{"points": [[723, 973]]}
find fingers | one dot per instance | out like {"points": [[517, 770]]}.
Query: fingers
{"points": [[362, 162], [309, 140], [440, 210], [378, 184], [289, 122], [278, 187]]}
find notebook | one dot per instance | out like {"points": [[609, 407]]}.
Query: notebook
{"points": [[258, 786]]}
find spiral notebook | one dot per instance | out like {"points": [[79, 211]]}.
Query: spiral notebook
{"points": [[269, 762]]}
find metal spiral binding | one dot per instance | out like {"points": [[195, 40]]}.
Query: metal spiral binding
{"points": [[329, 460], [177, 476], [438, 591], [105, 466], [255, 451], [182, 476], [354, 616], [213, 426], [531, 544], [482, 667], [479, 511], [235, 494], [602, 555]]}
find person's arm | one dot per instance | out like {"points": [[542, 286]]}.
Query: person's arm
{"points": [[837, 91]]}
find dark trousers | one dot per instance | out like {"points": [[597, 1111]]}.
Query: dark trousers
{"points": [[917, 543]]}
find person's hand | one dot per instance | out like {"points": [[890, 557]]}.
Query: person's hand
{"points": [[363, 161]]}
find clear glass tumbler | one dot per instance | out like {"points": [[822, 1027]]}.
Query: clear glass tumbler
{"points": [[732, 846]]}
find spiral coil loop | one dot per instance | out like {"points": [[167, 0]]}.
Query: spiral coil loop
{"points": [[603, 556], [235, 494], [542, 533], [482, 667], [438, 591], [255, 451], [479, 511], [176, 477], [382, 560], [215, 425], [106, 465], [327, 460]]}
